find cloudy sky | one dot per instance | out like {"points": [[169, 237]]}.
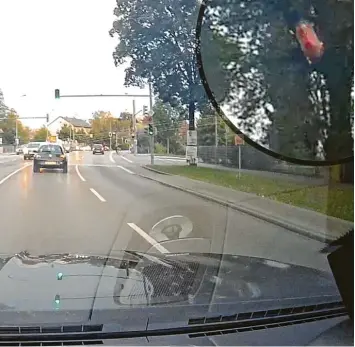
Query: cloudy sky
{"points": [[48, 44]]}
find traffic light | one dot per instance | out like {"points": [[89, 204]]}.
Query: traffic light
{"points": [[56, 93], [47, 118], [145, 109], [151, 131]]}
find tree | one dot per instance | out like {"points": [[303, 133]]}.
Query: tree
{"points": [[40, 134], [8, 126], [167, 120], [311, 103], [23, 132], [103, 123], [125, 115], [82, 137], [206, 134], [157, 38], [64, 133], [3, 107]]}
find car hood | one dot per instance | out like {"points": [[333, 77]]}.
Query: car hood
{"points": [[82, 287]]}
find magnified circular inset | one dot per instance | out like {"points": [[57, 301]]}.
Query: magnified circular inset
{"points": [[280, 73]]}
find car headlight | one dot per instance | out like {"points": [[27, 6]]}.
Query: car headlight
{"points": [[37, 156]]}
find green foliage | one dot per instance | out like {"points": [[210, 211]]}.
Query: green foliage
{"points": [[336, 201], [167, 120], [206, 131], [8, 126], [310, 104], [64, 133], [103, 123], [159, 149], [40, 134], [158, 40]]}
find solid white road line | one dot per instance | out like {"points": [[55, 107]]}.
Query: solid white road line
{"points": [[97, 195], [13, 173], [111, 158], [130, 161], [123, 168], [79, 174], [148, 238]]}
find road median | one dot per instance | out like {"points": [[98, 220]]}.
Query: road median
{"points": [[296, 207]]}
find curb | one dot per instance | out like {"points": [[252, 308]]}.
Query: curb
{"points": [[254, 213], [156, 171]]}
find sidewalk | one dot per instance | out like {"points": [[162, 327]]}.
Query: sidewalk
{"points": [[303, 221]]}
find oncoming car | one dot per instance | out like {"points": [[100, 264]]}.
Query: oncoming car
{"points": [[31, 149], [50, 156], [98, 148]]}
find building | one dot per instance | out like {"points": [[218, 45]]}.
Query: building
{"points": [[74, 123]]}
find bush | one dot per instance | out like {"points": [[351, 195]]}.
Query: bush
{"points": [[160, 149], [124, 146]]}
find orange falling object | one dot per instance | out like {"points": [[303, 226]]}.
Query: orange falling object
{"points": [[311, 46]]}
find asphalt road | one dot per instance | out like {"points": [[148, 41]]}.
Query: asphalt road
{"points": [[102, 205]]}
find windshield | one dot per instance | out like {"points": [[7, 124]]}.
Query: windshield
{"points": [[33, 145], [212, 139], [51, 149]]}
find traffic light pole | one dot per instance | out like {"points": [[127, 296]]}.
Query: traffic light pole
{"points": [[16, 124], [134, 126]]}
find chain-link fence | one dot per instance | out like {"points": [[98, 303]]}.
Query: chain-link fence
{"points": [[253, 159]]}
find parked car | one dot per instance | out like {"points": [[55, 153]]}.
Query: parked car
{"points": [[19, 150], [31, 149]]}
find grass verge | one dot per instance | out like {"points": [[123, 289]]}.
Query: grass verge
{"points": [[336, 201]]}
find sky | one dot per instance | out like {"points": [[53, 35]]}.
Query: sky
{"points": [[63, 44]]}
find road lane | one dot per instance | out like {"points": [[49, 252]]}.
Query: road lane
{"points": [[144, 204], [227, 230], [10, 165], [52, 212]]}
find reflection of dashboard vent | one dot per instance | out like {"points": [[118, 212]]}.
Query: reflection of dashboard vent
{"points": [[55, 343], [249, 321], [51, 329], [173, 283]]}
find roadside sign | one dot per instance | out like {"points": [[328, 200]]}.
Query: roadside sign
{"points": [[52, 139], [239, 140], [191, 154], [192, 137]]}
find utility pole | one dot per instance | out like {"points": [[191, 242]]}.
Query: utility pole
{"points": [[191, 145], [16, 133], [216, 131], [215, 138], [152, 122], [134, 126], [110, 135]]}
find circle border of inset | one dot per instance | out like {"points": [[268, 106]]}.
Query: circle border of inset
{"points": [[210, 95]]}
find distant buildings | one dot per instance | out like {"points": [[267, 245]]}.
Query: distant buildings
{"points": [[75, 124]]}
